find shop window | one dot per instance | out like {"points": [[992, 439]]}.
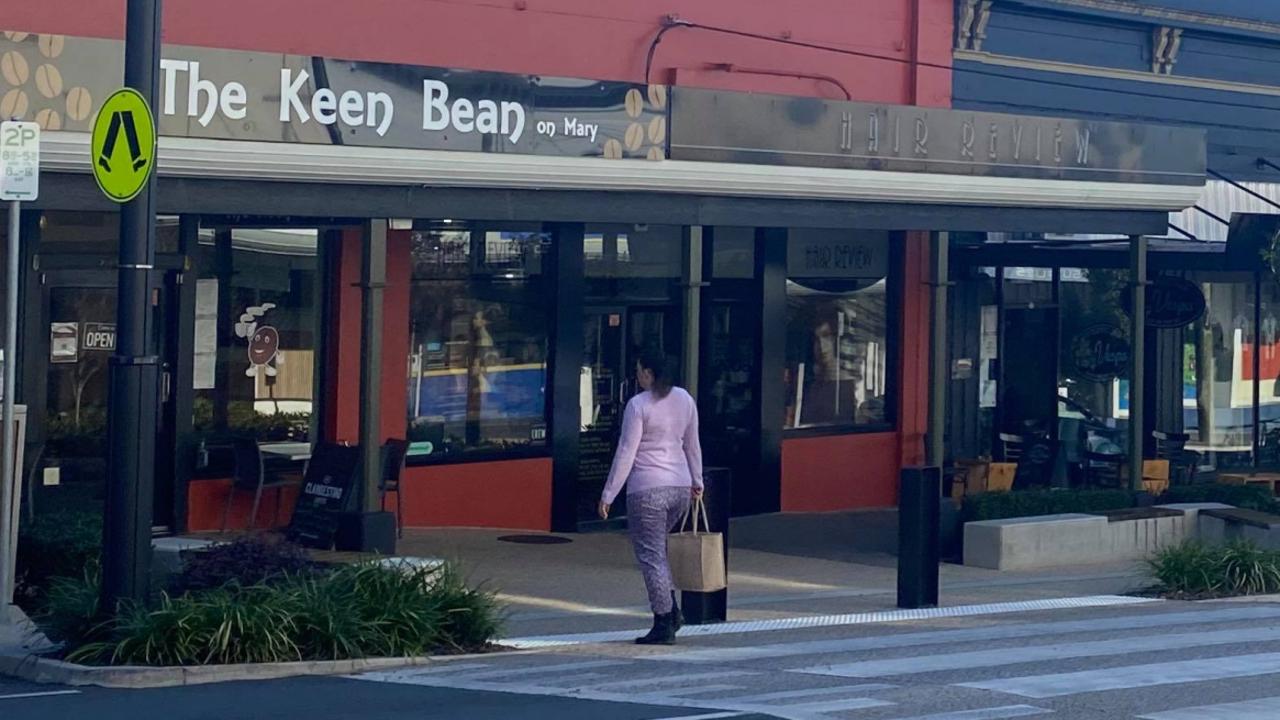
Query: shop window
{"points": [[257, 314], [1093, 363], [838, 319], [97, 233], [733, 253], [478, 328], [1218, 372]]}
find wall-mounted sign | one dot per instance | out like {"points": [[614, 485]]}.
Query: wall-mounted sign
{"points": [[64, 342], [99, 337], [273, 97], [1100, 353], [818, 253], [719, 126], [1172, 302]]}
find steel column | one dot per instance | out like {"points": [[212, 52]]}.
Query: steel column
{"points": [[373, 283], [566, 281], [1137, 357], [134, 367], [939, 273]]}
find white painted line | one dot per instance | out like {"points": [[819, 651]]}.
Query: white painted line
{"points": [[986, 634], [801, 695], [501, 674], [1260, 709], [998, 657], [443, 669], [995, 713], [50, 693], [823, 621], [711, 716], [830, 706], [1135, 676], [686, 692], [670, 680]]}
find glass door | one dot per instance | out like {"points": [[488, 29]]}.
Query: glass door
{"points": [[613, 338]]}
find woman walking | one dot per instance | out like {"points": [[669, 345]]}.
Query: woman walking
{"points": [[660, 461]]}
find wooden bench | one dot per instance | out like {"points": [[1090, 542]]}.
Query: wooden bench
{"points": [[1240, 516], [1268, 479]]}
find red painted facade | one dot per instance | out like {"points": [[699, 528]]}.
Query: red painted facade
{"points": [[892, 51], [602, 39]]}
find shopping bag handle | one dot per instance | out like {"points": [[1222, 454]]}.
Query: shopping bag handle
{"points": [[698, 505]]}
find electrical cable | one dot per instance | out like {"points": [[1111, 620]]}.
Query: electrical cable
{"points": [[674, 23]]}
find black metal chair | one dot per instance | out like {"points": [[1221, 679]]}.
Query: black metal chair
{"points": [[1011, 446], [394, 452], [1103, 470], [1182, 462], [252, 475]]}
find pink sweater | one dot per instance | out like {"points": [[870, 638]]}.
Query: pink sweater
{"points": [[658, 447]]}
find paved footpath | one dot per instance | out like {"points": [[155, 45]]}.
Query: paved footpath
{"points": [[1117, 659]]}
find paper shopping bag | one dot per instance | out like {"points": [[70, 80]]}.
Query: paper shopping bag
{"points": [[697, 557]]}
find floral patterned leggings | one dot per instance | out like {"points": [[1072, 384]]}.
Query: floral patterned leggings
{"points": [[651, 515]]}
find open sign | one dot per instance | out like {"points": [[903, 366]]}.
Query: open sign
{"points": [[99, 337]]}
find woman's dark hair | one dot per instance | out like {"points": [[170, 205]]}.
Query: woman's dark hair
{"points": [[656, 362]]}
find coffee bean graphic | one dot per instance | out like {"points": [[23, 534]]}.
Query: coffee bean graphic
{"points": [[658, 97], [658, 130], [14, 68], [79, 104], [49, 119], [612, 149], [13, 104], [51, 45], [635, 137], [657, 154], [16, 36], [49, 81], [634, 103]]}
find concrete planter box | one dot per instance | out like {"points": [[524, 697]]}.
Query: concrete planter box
{"points": [[1075, 539]]}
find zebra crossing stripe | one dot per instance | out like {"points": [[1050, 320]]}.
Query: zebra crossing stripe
{"points": [[995, 713], [1134, 676], [675, 680], [987, 634], [801, 695], [1260, 709], [500, 674], [824, 621], [1041, 653]]}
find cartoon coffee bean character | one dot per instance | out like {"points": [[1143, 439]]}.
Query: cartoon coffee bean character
{"points": [[263, 347], [264, 341]]}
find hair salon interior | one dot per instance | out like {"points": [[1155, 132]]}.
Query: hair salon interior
{"points": [[425, 217]]}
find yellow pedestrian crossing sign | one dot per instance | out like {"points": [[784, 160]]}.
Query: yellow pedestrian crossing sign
{"points": [[123, 146]]}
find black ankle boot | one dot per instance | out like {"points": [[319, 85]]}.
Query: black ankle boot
{"points": [[677, 618], [663, 632]]}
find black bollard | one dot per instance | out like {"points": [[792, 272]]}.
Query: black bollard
{"points": [[702, 608], [919, 507]]}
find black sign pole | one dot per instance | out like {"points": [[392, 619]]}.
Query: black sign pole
{"points": [[134, 367]]}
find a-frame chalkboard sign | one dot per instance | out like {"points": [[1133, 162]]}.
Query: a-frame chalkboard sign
{"points": [[327, 492]]}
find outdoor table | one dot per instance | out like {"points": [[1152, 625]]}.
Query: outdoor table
{"points": [[291, 451]]}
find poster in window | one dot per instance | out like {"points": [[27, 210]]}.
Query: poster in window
{"points": [[64, 342]]}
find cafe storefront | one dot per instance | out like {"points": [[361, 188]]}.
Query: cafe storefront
{"points": [[469, 262]]}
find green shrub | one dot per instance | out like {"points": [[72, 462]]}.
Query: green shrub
{"points": [[1031, 503], [56, 545], [246, 561], [1252, 497], [349, 612], [1197, 570], [69, 612]]}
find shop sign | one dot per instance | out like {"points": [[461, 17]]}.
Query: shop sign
{"points": [[837, 254], [1172, 302], [99, 337], [273, 97], [64, 342], [326, 494], [1100, 353], [720, 126]]}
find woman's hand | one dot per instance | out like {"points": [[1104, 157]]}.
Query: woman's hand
{"points": [[697, 492], [603, 510]]}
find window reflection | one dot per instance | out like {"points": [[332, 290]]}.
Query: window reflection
{"points": [[478, 324]]}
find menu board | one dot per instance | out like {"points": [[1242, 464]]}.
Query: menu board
{"points": [[327, 492]]}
